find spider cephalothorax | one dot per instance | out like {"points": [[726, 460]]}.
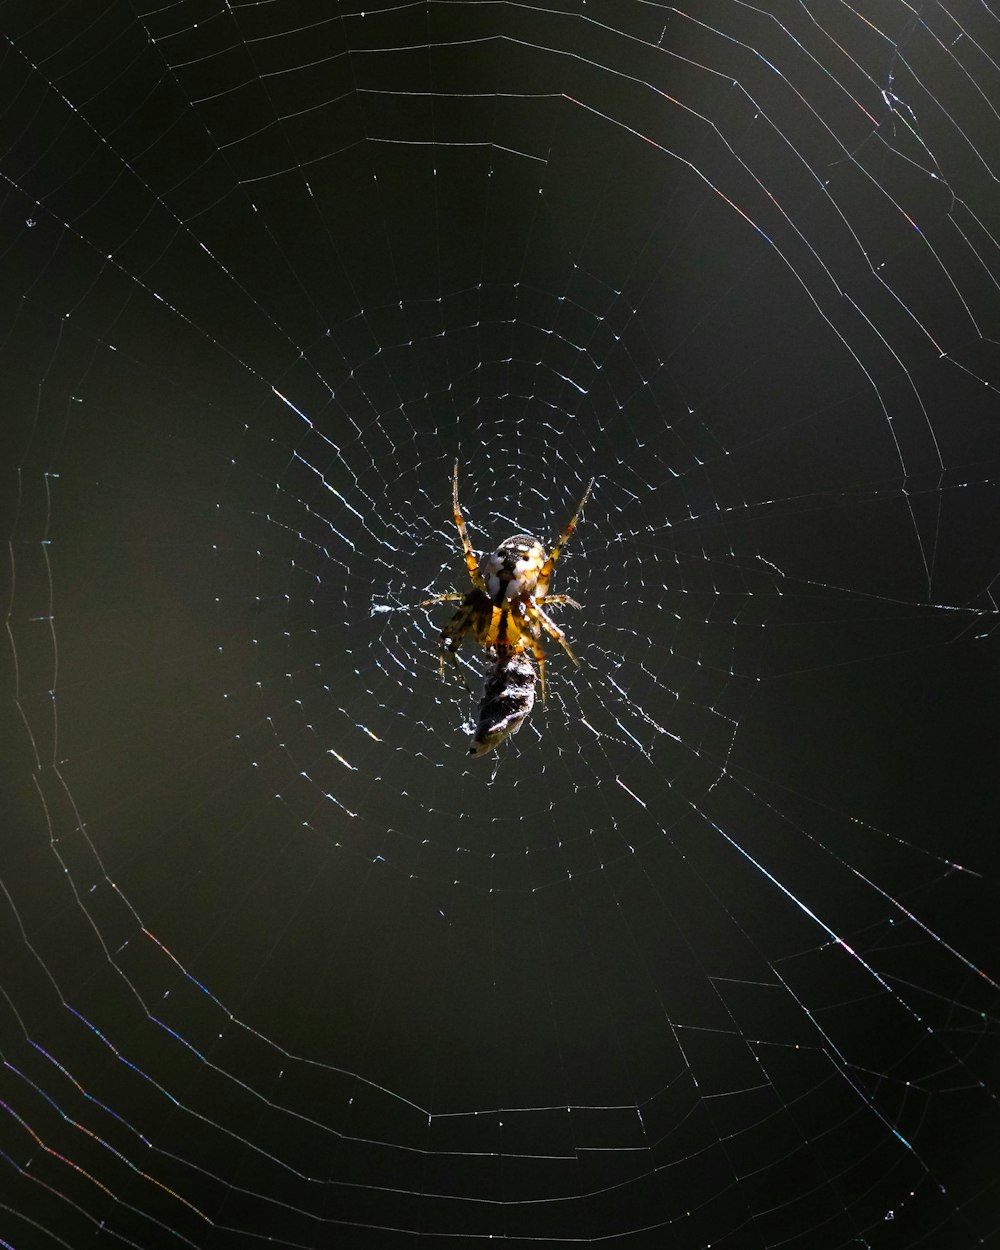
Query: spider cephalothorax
{"points": [[506, 609]]}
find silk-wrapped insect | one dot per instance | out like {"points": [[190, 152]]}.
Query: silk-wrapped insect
{"points": [[508, 698]]}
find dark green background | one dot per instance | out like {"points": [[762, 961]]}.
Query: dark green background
{"points": [[252, 993]]}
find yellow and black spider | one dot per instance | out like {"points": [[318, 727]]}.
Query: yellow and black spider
{"points": [[506, 608]]}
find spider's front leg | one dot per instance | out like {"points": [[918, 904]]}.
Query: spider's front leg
{"points": [[456, 665], [451, 636], [538, 652], [553, 630]]}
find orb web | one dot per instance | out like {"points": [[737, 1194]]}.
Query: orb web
{"points": [[704, 953]]}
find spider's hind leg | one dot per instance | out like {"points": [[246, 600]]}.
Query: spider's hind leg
{"points": [[545, 576], [471, 563]]}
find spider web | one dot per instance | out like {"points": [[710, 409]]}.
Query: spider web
{"points": [[706, 955]]}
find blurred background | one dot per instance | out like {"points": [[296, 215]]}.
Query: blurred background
{"points": [[707, 954]]}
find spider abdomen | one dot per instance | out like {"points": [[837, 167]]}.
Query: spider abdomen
{"points": [[512, 570]]}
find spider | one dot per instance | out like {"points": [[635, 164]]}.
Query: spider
{"points": [[504, 609]]}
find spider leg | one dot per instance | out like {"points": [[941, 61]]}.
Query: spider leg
{"points": [[450, 638], [455, 662], [535, 647], [471, 563], [559, 599], [457, 628], [553, 630], [453, 597], [545, 576]]}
